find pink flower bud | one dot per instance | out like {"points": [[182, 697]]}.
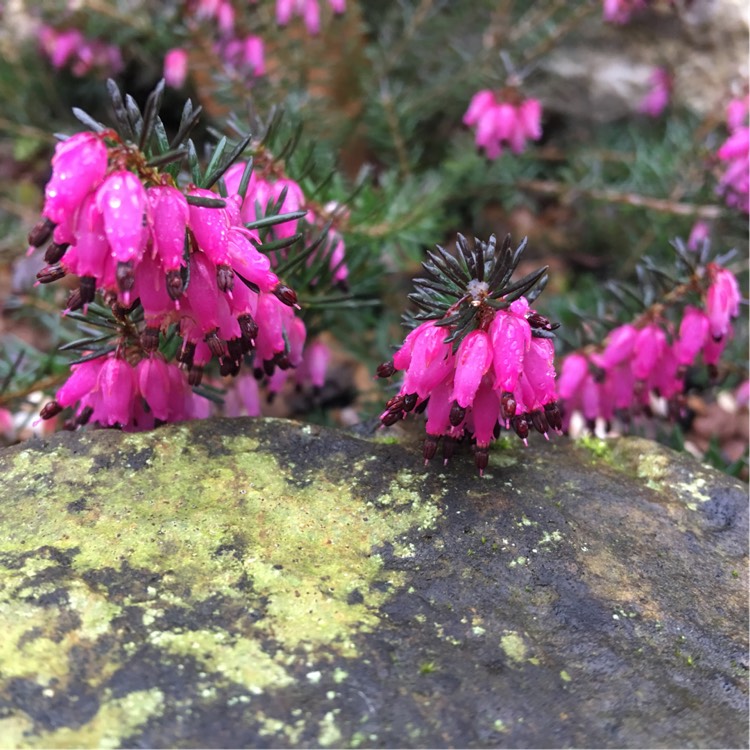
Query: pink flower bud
{"points": [[431, 361], [82, 381]]}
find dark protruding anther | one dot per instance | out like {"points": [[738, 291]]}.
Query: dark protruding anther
{"points": [[286, 294], [554, 418], [41, 232], [391, 417], [385, 370], [54, 252], [75, 301], [449, 448], [269, 367], [225, 278], [50, 273], [226, 365], [397, 402], [457, 414], [214, 344], [235, 349], [84, 416], [248, 326], [150, 338], [125, 275], [429, 448], [195, 375], [422, 405], [88, 289], [175, 285], [186, 353], [410, 401], [50, 409], [521, 426], [482, 457], [539, 421], [508, 405]]}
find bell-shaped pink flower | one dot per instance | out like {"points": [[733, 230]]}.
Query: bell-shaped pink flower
{"points": [[473, 360], [154, 385], [479, 104], [117, 390], [431, 362], [176, 67], [692, 336], [92, 247], [649, 346], [78, 167], [122, 201], [574, 370], [168, 211], [211, 229], [619, 346], [722, 301], [510, 336], [80, 383]]}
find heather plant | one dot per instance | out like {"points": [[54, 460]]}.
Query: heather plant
{"points": [[236, 254]]}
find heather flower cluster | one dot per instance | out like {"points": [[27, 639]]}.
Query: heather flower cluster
{"points": [[735, 154], [483, 360], [70, 48], [503, 119], [620, 11], [184, 255], [308, 10], [650, 357]]}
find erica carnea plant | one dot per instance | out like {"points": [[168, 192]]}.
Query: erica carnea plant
{"points": [[483, 359], [177, 267], [683, 316]]}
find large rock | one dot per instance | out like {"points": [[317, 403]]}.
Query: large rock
{"points": [[266, 584], [603, 70]]}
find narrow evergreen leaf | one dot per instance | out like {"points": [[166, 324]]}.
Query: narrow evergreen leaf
{"points": [[88, 120], [151, 111]]}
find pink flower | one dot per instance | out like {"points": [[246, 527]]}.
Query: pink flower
{"points": [[692, 336], [722, 301], [308, 9], [122, 201], [648, 348], [734, 183], [619, 11], [657, 99], [700, 232], [501, 122], [78, 166], [176, 67]]}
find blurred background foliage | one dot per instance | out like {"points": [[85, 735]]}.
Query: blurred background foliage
{"points": [[373, 106]]}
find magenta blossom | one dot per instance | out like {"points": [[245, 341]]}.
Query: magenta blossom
{"points": [[501, 121], [176, 67], [499, 374], [657, 99], [309, 10]]}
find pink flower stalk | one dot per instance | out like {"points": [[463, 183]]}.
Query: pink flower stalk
{"points": [[734, 183], [309, 10], [500, 122], [657, 99], [176, 67]]}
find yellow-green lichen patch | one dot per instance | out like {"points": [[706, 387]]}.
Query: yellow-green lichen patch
{"points": [[514, 646], [596, 446], [115, 720], [287, 558]]}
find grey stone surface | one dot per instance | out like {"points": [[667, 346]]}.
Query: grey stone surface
{"points": [[256, 583]]}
